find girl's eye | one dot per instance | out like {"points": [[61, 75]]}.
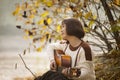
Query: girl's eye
{"points": [[62, 26]]}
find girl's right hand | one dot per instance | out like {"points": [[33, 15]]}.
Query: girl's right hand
{"points": [[53, 65]]}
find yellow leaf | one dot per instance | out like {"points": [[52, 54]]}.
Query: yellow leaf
{"points": [[86, 30], [59, 10], [49, 20], [91, 23], [25, 37], [74, 1], [31, 37], [14, 13], [58, 29], [33, 11], [58, 37], [45, 14], [24, 5], [94, 17], [28, 22], [43, 1], [49, 3], [39, 49], [44, 27], [66, 10], [31, 16], [88, 15], [40, 22], [30, 6], [80, 14], [37, 3], [47, 32], [26, 32], [42, 39], [17, 10], [41, 32]]}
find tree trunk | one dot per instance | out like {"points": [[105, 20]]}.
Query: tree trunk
{"points": [[112, 22]]}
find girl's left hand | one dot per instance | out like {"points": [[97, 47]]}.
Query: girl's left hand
{"points": [[65, 71]]}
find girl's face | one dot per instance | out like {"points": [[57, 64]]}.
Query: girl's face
{"points": [[63, 31]]}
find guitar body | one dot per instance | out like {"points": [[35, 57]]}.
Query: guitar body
{"points": [[62, 60]]}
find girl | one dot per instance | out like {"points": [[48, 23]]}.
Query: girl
{"points": [[79, 51]]}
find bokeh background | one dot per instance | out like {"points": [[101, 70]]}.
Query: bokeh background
{"points": [[12, 44], [10, 37]]}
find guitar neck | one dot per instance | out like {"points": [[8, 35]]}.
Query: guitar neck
{"points": [[61, 59]]}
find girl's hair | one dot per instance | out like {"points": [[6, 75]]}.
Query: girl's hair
{"points": [[74, 27]]}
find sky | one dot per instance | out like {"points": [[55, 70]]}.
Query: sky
{"points": [[7, 20], [11, 38]]}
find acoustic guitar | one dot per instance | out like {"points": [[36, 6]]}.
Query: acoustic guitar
{"points": [[62, 60]]}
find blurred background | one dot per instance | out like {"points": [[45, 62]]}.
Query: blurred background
{"points": [[10, 37], [12, 44]]}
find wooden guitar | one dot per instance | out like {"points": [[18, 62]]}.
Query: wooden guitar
{"points": [[62, 60]]}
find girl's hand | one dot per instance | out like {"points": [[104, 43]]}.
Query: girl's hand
{"points": [[53, 65], [65, 71], [71, 72]]}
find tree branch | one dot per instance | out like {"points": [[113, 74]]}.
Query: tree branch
{"points": [[26, 66]]}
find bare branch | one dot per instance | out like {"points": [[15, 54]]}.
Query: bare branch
{"points": [[26, 66]]}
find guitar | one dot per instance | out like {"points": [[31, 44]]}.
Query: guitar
{"points": [[62, 60]]}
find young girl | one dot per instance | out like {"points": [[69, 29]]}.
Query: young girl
{"points": [[80, 52]]}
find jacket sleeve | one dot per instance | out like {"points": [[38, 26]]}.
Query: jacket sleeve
{"points": [[86, 67]]}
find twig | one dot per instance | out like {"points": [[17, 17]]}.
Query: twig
{"points": [[27, 67]]}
